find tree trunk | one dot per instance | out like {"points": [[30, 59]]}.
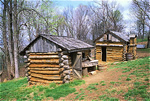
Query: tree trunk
{"points": [[15, 40], [148, 44], [5, 41], [10, 42], [143, 30]]}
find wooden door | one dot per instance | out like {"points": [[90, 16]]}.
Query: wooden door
{"points": [[77, 64], [103, 53]]}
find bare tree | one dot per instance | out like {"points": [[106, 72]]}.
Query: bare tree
{"points": [[106, 16], [5, 38], [140, 9]]}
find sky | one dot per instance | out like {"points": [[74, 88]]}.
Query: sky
{"points": [[124, 4]]}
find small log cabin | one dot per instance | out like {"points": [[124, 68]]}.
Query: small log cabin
{"points": [[115, 46], [54, 59]]}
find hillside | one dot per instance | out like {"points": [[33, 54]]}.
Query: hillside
{"points": [[122, 81]]}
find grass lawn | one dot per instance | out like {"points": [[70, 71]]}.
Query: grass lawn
{"points": [[140, 40], [147, 50], [126, 81], [18, 90]]}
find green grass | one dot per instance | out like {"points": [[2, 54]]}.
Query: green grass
{"points": [[128, 79], [140, 40], [78, 96], [139, 69], [106, 98], [137, 91], [144, 50], [133, 64], [115, 83], [18, 89], [91, 87]]}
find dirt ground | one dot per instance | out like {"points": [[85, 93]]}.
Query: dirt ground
{"points": [[141, 54], [104, 75], [107, 76]]}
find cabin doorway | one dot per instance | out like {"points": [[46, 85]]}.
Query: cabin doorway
{"points": [[76, 59], [103, 53]]}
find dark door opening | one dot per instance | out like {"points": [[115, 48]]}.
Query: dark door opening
{"points": [[103, 53]]}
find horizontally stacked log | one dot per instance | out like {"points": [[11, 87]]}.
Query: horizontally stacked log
{"points": [[64, 67], [43, 68]]}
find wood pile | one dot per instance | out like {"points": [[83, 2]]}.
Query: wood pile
{"points": [[47, 67]]}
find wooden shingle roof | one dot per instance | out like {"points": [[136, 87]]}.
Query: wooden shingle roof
{"points": [[68, 44], [121, 35]]}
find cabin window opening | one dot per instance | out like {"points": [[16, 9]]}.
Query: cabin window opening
{"points": [[103, 53]]}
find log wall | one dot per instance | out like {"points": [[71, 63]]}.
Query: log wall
{"points": [[132, 47], [115, 51], [98, 53], [114, 54], [47, 68]]}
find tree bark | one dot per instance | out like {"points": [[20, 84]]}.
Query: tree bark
{"points": [[148, 44], [15, 40], [5, 41], [10, 42]]}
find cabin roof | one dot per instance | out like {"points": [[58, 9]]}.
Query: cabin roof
{"points": [[119, 35], [68, 44]]}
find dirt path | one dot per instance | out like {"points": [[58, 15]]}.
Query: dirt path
{"points": [[104, 75], [141, 54]]}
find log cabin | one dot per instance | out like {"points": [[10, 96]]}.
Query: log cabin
{"points": [[115, 46], [56, 59]]}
